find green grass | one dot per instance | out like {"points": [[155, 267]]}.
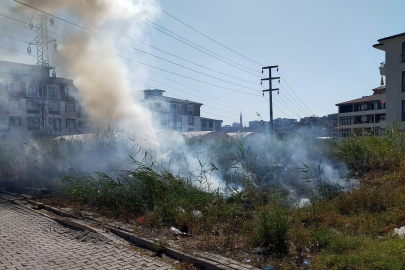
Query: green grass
{"points": [[351, 230]]}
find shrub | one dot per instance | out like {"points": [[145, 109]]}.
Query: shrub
{"points": [[271, 231]]}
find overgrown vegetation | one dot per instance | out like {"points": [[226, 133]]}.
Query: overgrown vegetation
{"points": [[335, 230]]}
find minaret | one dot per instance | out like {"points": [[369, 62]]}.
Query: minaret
{"points": [[241, 125]]}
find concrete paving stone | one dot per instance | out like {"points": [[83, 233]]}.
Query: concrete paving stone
{"points": [[33, 241]]}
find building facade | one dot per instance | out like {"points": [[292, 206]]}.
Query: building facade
{"points": [[394, 71], [32, 100], [363, 116], [172, 113], [208, 124]]}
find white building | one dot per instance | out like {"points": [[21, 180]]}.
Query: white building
{"points": [[394, 71], [365, 115], [172, 113], [32, 100]]}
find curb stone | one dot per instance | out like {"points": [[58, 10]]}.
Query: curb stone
{"points": [[204, 260]]}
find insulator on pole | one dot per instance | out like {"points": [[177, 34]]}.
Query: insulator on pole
{"points": [[263, 94], [278, 81], [52, 20], [31, 24], [29, 50], [261, 83], [53, 73], [55, 46], [262, 71], [277, 69], [278, 92]]}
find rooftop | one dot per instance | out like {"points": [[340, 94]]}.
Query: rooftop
{"points": [[380, 44], [152, 93], [362, 99], [205, 118]]}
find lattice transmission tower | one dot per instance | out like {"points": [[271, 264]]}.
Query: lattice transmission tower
{"points": [[44, 116]]}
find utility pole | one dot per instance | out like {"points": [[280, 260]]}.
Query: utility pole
{"points": [[270, 90], [43, 116]]}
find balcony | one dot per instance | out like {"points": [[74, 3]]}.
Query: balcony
{"points": [[382, 69]]}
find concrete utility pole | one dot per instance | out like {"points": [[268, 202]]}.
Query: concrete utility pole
{"points": [[270, 90]]}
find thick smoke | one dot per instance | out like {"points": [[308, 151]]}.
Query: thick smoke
{"points": [[102, 78]]}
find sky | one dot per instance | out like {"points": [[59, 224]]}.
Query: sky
{"points": [[323, 49]]}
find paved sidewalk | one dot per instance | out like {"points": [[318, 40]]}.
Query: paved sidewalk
{"points": [[31, 241]]}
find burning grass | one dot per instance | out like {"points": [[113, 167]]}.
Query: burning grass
{"points": [[337, 230]]}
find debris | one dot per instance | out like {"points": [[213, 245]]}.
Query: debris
{"points": [[239, 246], [268, 267], [196, 214], [175, 231], [258, 250], [400, 232], [247, 260], [176, 262], [305, 263], [141, 221], [181, 210]]}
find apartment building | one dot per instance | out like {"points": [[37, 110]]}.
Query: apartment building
{"points": [[363, 116], [209, 124], [394, 71], [32, 99], [172, 113]]}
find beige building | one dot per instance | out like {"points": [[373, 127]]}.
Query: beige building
{"points": [[33, 100], [365, 115], [394, 71]]}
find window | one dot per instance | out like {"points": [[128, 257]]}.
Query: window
{"points": [[190, 129], [32, 106], [172, 108], [358, 120], [403, 111], [203, 123], [403, 81], [217, 126], [54, 123], [69, 107], [14, 103], [54, 107], [2, 86], [403, 53], [14, 121], [14, 86], [179, 123], [172, 121], [70, 91], [358, 107], [71, 123], [344, 132], [369, 106], [380, 105], [32, 90], [348, 120], [53, 91], [345, 108], [163, 120], [190, 109], [83, 124], [178, 106], [33, 123], [191, 120], [211, 124]]}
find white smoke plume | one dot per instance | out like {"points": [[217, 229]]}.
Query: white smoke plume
{"points": [[102, 78]]}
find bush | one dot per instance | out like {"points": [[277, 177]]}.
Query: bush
{"points": [[271, 231]]}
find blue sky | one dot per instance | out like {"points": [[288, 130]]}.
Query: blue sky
{"points": [[323, 48]]}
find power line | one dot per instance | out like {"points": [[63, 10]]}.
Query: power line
{"points": [[203, 34], [277, 107], [295, 93], [299, 107], [92, 31]]}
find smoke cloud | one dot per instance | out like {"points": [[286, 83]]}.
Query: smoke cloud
{"points": [[101, 77]]}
